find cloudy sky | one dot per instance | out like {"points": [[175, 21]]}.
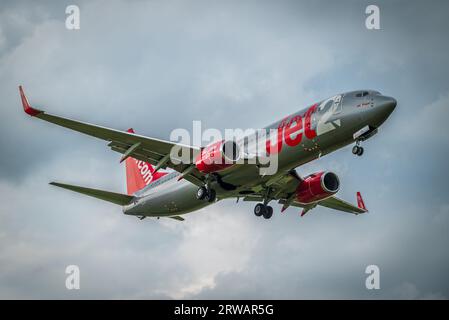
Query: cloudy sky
{"points": [[159, 65]]}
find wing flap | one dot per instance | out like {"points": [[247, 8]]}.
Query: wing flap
{"points": [[117, 198]]}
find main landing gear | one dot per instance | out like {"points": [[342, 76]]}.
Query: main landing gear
{"points": [[263, 210], [357, 149], [207, 194]]}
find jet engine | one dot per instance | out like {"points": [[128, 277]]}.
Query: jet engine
{"points": [[218, 156], [317, 186]]}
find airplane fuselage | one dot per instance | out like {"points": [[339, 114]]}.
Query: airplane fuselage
{"points": [[301, 137]]}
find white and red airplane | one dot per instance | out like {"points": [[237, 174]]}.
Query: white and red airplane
{"points": [[221, 170]]}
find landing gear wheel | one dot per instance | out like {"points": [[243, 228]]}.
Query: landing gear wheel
{"points": [[357, 149], [259, 209], [211, 195], [268, 212], [201, 193]]}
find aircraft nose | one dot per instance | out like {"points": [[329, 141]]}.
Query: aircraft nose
{"points": [[386, 105], [383, 107]]}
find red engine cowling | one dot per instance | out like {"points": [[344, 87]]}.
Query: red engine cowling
{"points": [[217, 156], [317, 186]]}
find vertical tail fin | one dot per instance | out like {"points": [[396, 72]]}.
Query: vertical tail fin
{"points": [[139, 173]]}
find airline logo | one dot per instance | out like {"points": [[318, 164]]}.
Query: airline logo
{"points": [[146, 171], [292, 129]]}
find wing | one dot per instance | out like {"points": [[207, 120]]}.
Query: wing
{"points": [[283, 189], [342, 205], [154, 151], [332, 202]]}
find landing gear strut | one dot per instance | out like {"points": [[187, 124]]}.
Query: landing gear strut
{"points": [[263, 210], [207, 194], [211, 195], [357, 149]]}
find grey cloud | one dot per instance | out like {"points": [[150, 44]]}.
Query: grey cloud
{"points": [[156, 66]]}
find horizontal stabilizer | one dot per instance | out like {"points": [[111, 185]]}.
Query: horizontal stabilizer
{"points": [[117, 198]]}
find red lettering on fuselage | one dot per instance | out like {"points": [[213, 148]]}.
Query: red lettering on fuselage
{"points": [[274, 149], [310, 133], [288, 128]]}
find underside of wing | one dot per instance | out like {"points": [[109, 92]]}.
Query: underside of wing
{"points": [[283, 188], [332, 203], [341, 205]]}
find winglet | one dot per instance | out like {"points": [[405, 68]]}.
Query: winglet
{"points": [[26, 106], [360, 202]]}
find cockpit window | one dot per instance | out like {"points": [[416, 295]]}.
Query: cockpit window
{"points": [[362, 94]]}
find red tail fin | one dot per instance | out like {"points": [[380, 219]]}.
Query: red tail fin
{"points": [[360, 202], [139, 174]]}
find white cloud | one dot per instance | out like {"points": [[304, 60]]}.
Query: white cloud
{"points": [[429, 123]]}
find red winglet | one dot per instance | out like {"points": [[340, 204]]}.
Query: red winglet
{"points": [[130, 130], [26, 106], [360, 202]]}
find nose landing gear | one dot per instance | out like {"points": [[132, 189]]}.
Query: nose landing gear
{"points": [[207, 194], [357, 149]]}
